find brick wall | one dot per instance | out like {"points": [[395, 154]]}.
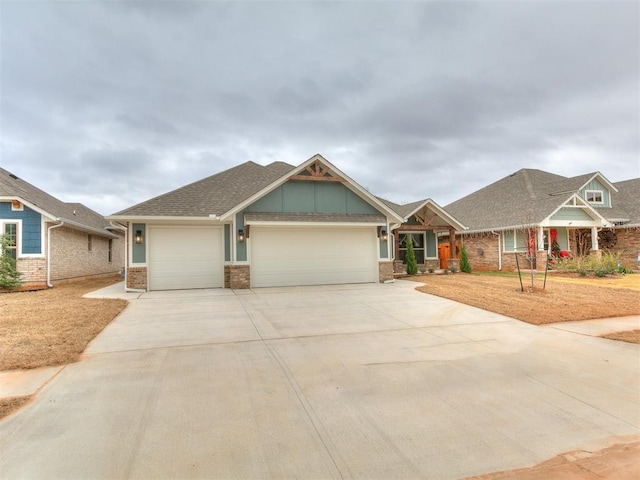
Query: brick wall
{"points": [[628, 245], [33, 270], [482, 249], [137, 278], [239, 276], [71, 258]]}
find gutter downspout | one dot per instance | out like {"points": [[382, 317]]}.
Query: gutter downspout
{"points": [[126, 250], [499, 250], [49, 284]]}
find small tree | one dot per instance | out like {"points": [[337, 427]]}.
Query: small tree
{"points": [[412, 264], [465, 266], [9, 275]]}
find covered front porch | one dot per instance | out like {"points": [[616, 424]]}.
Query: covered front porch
{"points": [[425, 222]]}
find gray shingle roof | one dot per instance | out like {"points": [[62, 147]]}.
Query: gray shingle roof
{"points": [[74, 214], [213, 195], [626, 202], [527, 196]]}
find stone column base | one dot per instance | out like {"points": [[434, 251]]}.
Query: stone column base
{"points": [[237, 277], [385, 271], [453, 264]]}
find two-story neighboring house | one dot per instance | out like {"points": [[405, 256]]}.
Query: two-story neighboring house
{"points": [[55, 241], [535, 211]]}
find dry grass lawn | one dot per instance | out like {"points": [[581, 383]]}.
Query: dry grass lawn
{"points": [[54, 326], [564, 299]]}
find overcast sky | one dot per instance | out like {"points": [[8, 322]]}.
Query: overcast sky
{"points": [[110, 103]]}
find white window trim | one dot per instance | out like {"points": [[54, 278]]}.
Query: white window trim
{"points": [[18, 223], [600, 192]]}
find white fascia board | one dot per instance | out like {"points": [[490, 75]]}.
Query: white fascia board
{"points": [[149, 218], [85, 228], [317, 224], [441, 213], [31, 206], [353, 186]]}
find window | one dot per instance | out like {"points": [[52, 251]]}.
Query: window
{"points": [[110, 250], [594, 196], [89, 242], [417, 240], [11, 236]]}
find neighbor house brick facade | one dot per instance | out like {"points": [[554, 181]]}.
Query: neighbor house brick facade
{"points": [[534, 214], [53, 241]]}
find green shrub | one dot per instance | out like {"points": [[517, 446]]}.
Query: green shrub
{"points": [[607, 263], [412, 265], [9, 275], [465, 266]]}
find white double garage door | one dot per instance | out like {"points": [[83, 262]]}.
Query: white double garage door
{"points": [[193, 256]]}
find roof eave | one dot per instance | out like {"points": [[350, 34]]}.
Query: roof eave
{"points": [[33, 207], [155, 218]]}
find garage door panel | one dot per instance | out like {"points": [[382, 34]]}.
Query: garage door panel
{"points": [[312, 256], [185, 257]]}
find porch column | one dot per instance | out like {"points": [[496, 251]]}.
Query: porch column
{"points": [[594, 239], [453, 263], [541, 239], [396, 244], [452, 242]]}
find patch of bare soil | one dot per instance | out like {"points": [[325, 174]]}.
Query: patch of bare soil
{"points": [[11, 404], [617, 462], [560, 301], [54, 326], [632, 336]]}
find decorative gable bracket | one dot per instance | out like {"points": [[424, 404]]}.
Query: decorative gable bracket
{"points": [[316, 172]]}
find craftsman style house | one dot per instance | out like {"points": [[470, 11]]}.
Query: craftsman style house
{"points": [[53, 241], [274, 225], [543, 213]]}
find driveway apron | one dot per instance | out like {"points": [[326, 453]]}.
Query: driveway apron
{"points": [[357, 381]]}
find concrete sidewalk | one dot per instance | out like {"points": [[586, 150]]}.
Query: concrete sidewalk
{"points": [[363, 381]]}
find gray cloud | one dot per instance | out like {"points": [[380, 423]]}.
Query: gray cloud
{"points": [[110, 103]]}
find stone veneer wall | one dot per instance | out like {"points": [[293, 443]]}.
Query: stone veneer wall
{"points": [[385, 271], [429, 264], [137, 278], [239, 276]]}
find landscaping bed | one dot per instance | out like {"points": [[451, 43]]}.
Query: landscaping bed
{"points": [[563, 299]]}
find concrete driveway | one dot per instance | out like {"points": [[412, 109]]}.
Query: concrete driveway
{"points": [[364, 381]]}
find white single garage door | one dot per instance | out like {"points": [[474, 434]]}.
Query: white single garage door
{"points": [[185, 257], [289, 256]]}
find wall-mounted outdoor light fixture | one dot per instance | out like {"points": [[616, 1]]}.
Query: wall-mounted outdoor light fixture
{"points": [[138, 237], [241, 235], [383, 235]]}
